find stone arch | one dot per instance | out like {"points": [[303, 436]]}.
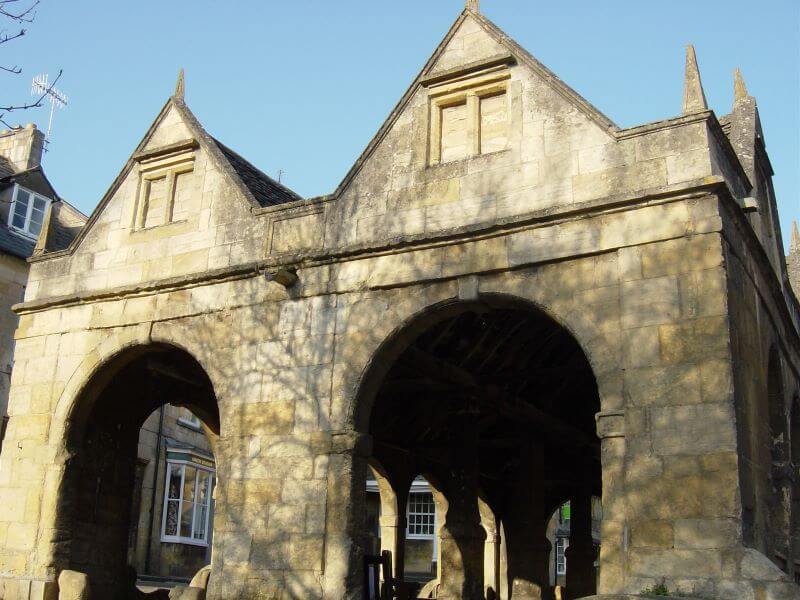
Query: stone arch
{"points": [[110, 348], [389, 344], [480, 354], [98, 417]]}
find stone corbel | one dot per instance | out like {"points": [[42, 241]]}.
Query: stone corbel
{"points": [[351, 442], [610, 424]]}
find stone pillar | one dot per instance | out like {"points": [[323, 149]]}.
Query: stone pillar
{"points": [[393, 526], [526, 530], [580, 554], [613, 544], [491, 550], [462, 534], [343, 578]]}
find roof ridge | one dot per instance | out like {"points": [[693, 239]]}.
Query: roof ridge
{"points": [[531, 61], [272, 181]]}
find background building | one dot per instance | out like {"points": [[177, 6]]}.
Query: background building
{"points": [[172, 513], [27, 202]]}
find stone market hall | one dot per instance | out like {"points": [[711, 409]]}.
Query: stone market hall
{"points": [[508, 296]]}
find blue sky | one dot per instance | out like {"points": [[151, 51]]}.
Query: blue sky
{"points": [[302, 86]]}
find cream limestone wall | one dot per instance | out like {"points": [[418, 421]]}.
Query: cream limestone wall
{"points": [[619, 235], [13, 273]]}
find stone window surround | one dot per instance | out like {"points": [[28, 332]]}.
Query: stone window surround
{"points": [[167, 162], [177, 539], [463, 88]]}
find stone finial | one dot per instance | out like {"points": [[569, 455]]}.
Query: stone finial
{"points": [[694, 99], [793, 260], [739, 88], [180, 86], [473, 5]]}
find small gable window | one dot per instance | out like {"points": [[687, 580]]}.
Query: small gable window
{"points": [[167, 187], [469, 113], [27, 212]]}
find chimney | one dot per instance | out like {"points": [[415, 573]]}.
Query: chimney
{"points": [[22, 146]]}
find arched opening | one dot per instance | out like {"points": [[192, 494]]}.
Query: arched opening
{"points": [[779, 471], [100, 479], [794, 432], [559, 534], [491, 395]]}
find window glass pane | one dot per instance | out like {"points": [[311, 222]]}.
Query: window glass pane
{"points": [[186, 519], [421, 514], [18, 221], [35, 227], [20, 209], [175, 481], [39, 203], [171, 526], [203, 485], [188, 483], [199, 531], [23, 198]]}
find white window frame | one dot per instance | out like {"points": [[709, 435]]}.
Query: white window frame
{"points": [[25, 230], [420, 536], [561, 557], [178, 539], [191, 422]]}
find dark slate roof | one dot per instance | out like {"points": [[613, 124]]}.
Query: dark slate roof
{"points": [[14, 244], [6, 168], [266, 190]]}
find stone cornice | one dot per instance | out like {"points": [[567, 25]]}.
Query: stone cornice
{"points": [[532, 220], [468, 69], [182, 146]]}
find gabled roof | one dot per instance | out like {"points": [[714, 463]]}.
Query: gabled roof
{"points": [[60, 233], [33, 179], [259, 189], [266, 190], [517, 51]]}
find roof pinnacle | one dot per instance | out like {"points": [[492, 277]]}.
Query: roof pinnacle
{"points": [[795, 243], [473, 6], [739, 88], [180, 86], [694, 99]]}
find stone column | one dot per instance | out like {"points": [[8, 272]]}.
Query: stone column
{"points": [[462, 534], [491, 549], [343, 578], [613, 545], [393, 528], [580, 554], [526, 530]]}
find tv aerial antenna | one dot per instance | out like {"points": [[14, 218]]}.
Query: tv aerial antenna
{"points": [[56, 97]]}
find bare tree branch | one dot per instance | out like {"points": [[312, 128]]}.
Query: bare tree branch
{"points": [[19, 12], [26, 16]]}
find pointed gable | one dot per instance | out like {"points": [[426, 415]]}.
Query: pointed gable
{"points": [[470, 42], [182, 204], [484, 132]]}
